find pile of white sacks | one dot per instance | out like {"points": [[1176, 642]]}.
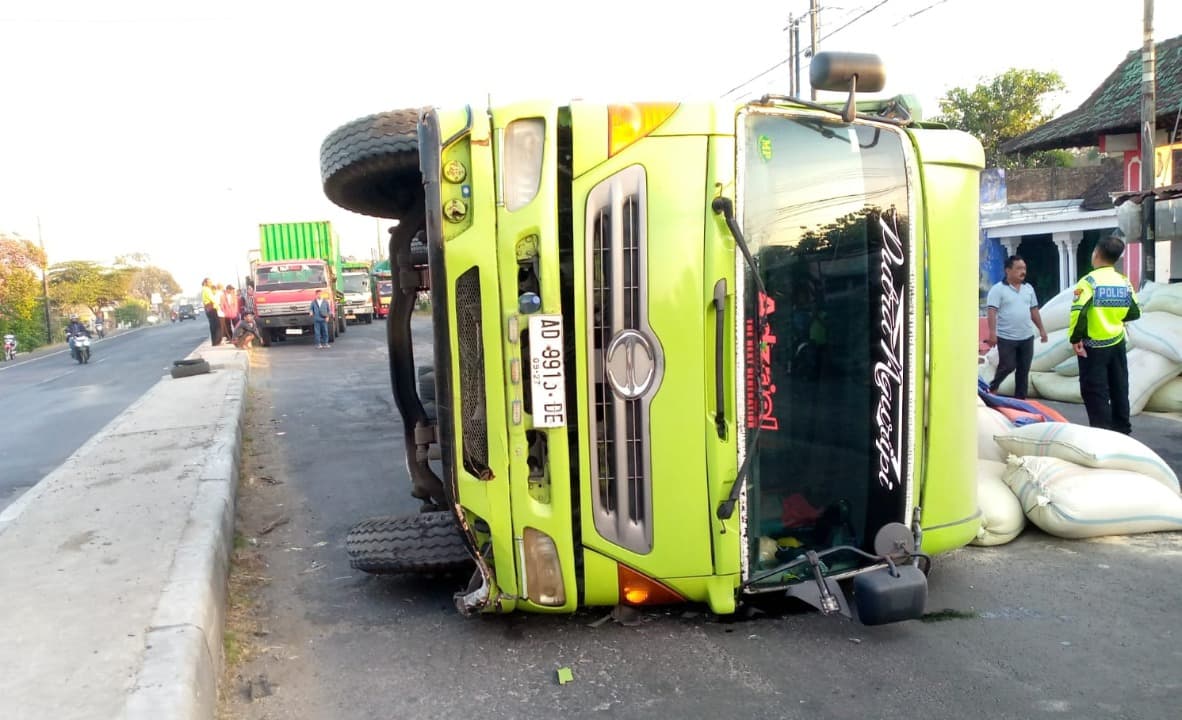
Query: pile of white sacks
{"points": [[1155, 353], [1072, 481]]}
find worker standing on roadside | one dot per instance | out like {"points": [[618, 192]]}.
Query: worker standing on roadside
{"points": [[209, 302], [1103, 302]]}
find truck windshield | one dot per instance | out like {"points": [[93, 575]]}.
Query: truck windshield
{"points": [[386, 288], [289, 277], [356, 284], [825, 212]]}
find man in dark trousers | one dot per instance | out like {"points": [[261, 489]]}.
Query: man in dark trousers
{"points": [[321, 312], [209, 302], [1013, 318], [1104, 301]]}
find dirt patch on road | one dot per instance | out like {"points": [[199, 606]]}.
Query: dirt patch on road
{"points": [[246, 633]]}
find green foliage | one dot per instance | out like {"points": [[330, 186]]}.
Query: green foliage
{"points": [[146, 279], [1002, 108], [86, 283], [133, 312], [21, 311]]}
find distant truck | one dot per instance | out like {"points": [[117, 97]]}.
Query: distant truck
{"points": [[383, 288], [296, 260], [355, 287]]}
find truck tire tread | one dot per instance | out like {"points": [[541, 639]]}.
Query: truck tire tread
{"points": [[424, 543], [371, 165]]}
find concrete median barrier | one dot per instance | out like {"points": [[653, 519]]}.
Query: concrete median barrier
{"points": [[115, 567]]}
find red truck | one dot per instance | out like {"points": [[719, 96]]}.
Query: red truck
{"points": [[296, 260]]}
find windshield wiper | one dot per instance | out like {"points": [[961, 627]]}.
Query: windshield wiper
{"points": [[723, 206]]}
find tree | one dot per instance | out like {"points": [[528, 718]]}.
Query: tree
{"points": [[82, 282], [1002, 108], [147, 279], [20, 290]]}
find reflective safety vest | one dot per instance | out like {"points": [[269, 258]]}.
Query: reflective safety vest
{"points": [[1103, 301]]}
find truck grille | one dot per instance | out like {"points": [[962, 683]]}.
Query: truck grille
{"points": [[473, 413], [267, 309], [626, 363]]}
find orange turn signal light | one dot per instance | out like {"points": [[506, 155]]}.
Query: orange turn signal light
{"points": [[637, 589], [628, 123]]}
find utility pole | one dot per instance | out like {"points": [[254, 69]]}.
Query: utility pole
{"points": [[1148, 130], [792, 59], [796, 41], [813, 9], [44, 284]]}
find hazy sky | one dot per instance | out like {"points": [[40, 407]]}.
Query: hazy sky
{"points": [[136, 127]]}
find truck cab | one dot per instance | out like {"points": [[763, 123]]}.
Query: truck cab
{"points": [[683, 351]]}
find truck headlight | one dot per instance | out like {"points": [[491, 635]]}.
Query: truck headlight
{"points": [[522, 173], [543, 570]]}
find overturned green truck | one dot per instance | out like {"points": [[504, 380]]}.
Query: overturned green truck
{"points": [[682, 352]]}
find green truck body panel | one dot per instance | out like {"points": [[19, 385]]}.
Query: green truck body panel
{"points": [[301, 241]]}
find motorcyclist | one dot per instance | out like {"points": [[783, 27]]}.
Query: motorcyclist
{"points": [[9, 346], [75, 328], [98, 327]]}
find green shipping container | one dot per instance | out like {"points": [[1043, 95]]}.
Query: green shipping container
{"points": [[296, 241], [300, 241]]}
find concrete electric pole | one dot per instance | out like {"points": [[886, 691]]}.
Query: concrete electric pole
{"points": [[1148, 130], [813, 24]]}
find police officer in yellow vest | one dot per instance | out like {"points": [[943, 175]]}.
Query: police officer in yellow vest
{"points": [[1104, 301]]}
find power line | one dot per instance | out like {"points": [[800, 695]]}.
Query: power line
{"points": [[826, 37]]}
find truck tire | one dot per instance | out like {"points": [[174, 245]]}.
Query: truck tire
{"points": [[189, 369], [428, 542], [342, 325], [427, 385], [371, 165]]}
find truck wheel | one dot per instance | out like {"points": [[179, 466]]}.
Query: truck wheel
{"points": [[268, 337], [200, 367], [342, 325], [427, 385], [371, 165], [332, 332], [423, 543]]}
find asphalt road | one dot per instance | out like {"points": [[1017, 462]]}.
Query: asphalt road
{"points": [[52, 405], [1042, 627]]}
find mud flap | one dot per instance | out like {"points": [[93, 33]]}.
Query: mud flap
{"points": [[890, 594]]}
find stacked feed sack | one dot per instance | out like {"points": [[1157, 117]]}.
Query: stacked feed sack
{"points": [[1002, 519], [1155, 352], [1076, 481]]}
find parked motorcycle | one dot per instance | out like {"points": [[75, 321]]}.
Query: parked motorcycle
{"points": [[9, 347], [80, 348]]}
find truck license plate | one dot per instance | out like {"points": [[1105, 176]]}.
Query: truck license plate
{"points": [[547, 370]]}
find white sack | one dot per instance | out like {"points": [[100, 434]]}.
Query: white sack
{"points": [[988, 369], [989, 424], [1159, 332], [1164, 298], [1167, 398], [1148, 371], [1002, 519], [1054, 386], [1056, 312], [1090, 447], [1054, 351], [1068, 368], [1070, 501]]}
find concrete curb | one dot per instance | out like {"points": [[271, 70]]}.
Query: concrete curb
{"points": [[184, 657]]}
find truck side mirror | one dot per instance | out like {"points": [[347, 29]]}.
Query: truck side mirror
{"points": [[846, 71]]}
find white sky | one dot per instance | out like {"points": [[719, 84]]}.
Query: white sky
{"points": [[175, 128]]}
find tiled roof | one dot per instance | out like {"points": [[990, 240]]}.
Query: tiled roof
{"points": [[1114, 107]]}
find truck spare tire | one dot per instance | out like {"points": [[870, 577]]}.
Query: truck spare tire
{"points": [[371, 165]]}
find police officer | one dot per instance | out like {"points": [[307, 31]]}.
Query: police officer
{"points": [[1104, 301]]}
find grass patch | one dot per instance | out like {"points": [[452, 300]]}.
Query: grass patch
{"points": [[949, 614], [232, 647]]}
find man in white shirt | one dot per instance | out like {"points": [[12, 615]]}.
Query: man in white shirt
{"points": [[1013, 317]]}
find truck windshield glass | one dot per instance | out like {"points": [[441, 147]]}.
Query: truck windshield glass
{"points": [[356, 284], [386, 288], [289, 277], [825, 212]]}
